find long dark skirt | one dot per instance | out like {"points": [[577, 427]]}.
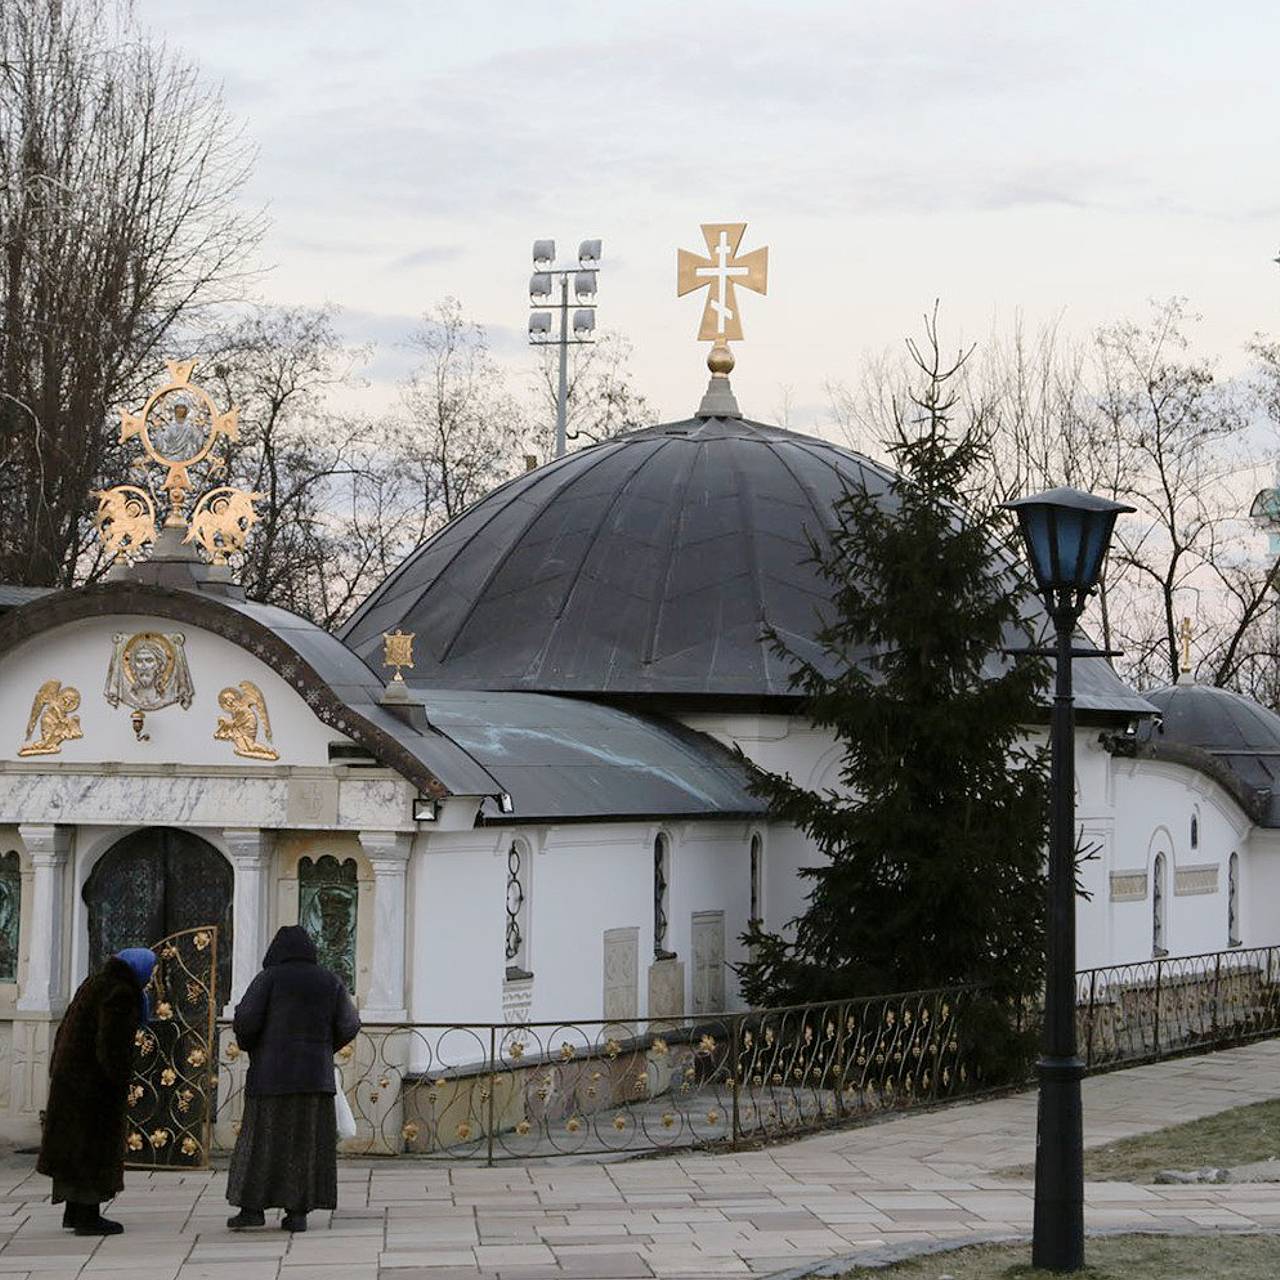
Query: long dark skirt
{"points": [[286, 1154]]}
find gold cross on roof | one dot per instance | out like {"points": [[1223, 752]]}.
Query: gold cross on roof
{"points": [[1184, 634], [720, 273]]}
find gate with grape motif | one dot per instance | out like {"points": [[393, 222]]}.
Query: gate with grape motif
{"points": [[171, 1097]]}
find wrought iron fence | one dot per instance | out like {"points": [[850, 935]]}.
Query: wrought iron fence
{"points": [[496, 1092], [1135, 1012], [499, 1092]]}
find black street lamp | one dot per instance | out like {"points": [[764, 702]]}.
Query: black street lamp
{"points": [[1067, 534]]}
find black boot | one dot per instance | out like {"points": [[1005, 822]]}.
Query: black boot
{"points": [[294, 1220], [89, 1221], [247, 1218]]}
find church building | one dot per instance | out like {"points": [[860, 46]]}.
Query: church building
{"points": [[513, 787]]}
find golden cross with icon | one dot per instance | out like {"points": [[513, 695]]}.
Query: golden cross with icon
{"points": [[720, 273], [397, 651], [1184, 634]]}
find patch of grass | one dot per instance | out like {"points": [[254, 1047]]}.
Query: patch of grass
{"points": [[1224, 1257], [1239, 1136]]}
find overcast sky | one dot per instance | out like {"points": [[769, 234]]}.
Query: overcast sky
{"points": [[1075, 158]]}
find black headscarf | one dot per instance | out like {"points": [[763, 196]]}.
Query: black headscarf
{"points": [[292, 942]]}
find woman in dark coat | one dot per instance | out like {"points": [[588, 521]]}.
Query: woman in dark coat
{"points": [[294, 1017], [84, 1126]]}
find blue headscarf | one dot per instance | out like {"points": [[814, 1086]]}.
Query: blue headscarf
{"points": [[142, 962]]}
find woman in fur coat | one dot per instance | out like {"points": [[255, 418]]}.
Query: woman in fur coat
{"points": [[293, 1018], [84, 1127]]}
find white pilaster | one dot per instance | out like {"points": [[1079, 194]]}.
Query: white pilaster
{"points": [[49, 848], [388, 854], [250, 850]]}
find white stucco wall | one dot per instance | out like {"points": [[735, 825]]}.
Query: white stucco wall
{"points": [[1128, 809]]}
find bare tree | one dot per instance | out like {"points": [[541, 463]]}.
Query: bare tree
{"points": [[601, 401], [462, 430], [119, 173], [334, 519], [1133, 414]]}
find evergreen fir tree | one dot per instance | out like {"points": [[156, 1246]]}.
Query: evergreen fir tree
{"points": [[933, 872]]}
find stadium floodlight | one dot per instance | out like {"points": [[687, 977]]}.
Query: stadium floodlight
{"points": [[575, 328]]}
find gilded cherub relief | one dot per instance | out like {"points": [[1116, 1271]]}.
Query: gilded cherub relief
{"points": [[246, 717], [54, 710]]}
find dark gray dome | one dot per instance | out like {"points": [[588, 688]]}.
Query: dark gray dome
{"points": [[649, 564], [1216, 720]]}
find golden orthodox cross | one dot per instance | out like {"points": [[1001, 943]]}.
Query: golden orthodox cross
{"points": [[720, 273], [1184, 634]]}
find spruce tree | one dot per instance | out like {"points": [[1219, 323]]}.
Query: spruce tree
{"points": [[934, 847]]}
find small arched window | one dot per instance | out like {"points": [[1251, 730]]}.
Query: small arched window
{"points": [[10, 915], [661, 897], [1158, 946], [1233, 900], [328, 899], [1195, 830]]}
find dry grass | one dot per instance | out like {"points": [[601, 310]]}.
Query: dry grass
{"points": [[1239, 1136], [1135, 1257]]}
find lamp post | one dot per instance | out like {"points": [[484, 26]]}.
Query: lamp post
{"points": [[1067, 534], [542, 287]]}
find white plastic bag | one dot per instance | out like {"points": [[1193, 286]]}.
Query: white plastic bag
{"points": [[342, 1108]]}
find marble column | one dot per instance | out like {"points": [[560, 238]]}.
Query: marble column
{"points": [[250, 850], [388, 854], [49, 849]]}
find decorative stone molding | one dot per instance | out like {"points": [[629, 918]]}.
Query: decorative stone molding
{"points": [[517, 1001], [1195, 879], [1128, 886], [49, 848], [388, 853]]}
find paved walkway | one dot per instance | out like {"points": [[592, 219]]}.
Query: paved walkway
{"points": [[917, 1177]]}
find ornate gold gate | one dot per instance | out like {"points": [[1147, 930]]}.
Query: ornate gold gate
{"points": [[172, 1094]]}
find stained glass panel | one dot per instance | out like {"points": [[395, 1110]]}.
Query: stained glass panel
{"points": [[328, 896], [10, 915]]}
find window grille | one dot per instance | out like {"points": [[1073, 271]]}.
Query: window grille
{"points": [[10, 915], [517, 940], [328, 901], [661, 898], [1233, 901]]}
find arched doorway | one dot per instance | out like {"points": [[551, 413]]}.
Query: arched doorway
{"points": [[156, 882]]}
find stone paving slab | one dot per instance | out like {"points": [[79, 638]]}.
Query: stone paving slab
{"points": [[918, 1180]]}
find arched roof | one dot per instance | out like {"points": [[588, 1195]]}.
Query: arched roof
{"points": [[649, 564]]}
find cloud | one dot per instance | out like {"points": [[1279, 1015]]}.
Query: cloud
{"points": [[425, 257]]}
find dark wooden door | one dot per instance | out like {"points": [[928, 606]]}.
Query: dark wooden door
{"points": [[157, 882]]}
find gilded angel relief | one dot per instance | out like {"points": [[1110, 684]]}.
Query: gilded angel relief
{"points": [[149, 671], [246, 717], [54, 710]]}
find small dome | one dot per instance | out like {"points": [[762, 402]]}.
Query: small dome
{"points": [[1216, 720]]}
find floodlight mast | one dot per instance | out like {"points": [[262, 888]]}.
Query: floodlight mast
{"points": [[578, 330]]}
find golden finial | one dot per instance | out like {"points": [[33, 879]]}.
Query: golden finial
{"points": [[1184, 634], [178, 428], [397, 651], [720, 273]]}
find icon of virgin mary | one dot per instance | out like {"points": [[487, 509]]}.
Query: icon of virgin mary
{"points": [[149, 671]]}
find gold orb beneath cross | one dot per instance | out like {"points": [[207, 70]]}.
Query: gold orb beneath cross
{"points": [[720, 361]]}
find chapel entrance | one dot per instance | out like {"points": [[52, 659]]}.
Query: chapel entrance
{"points": [[155, 883]]}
